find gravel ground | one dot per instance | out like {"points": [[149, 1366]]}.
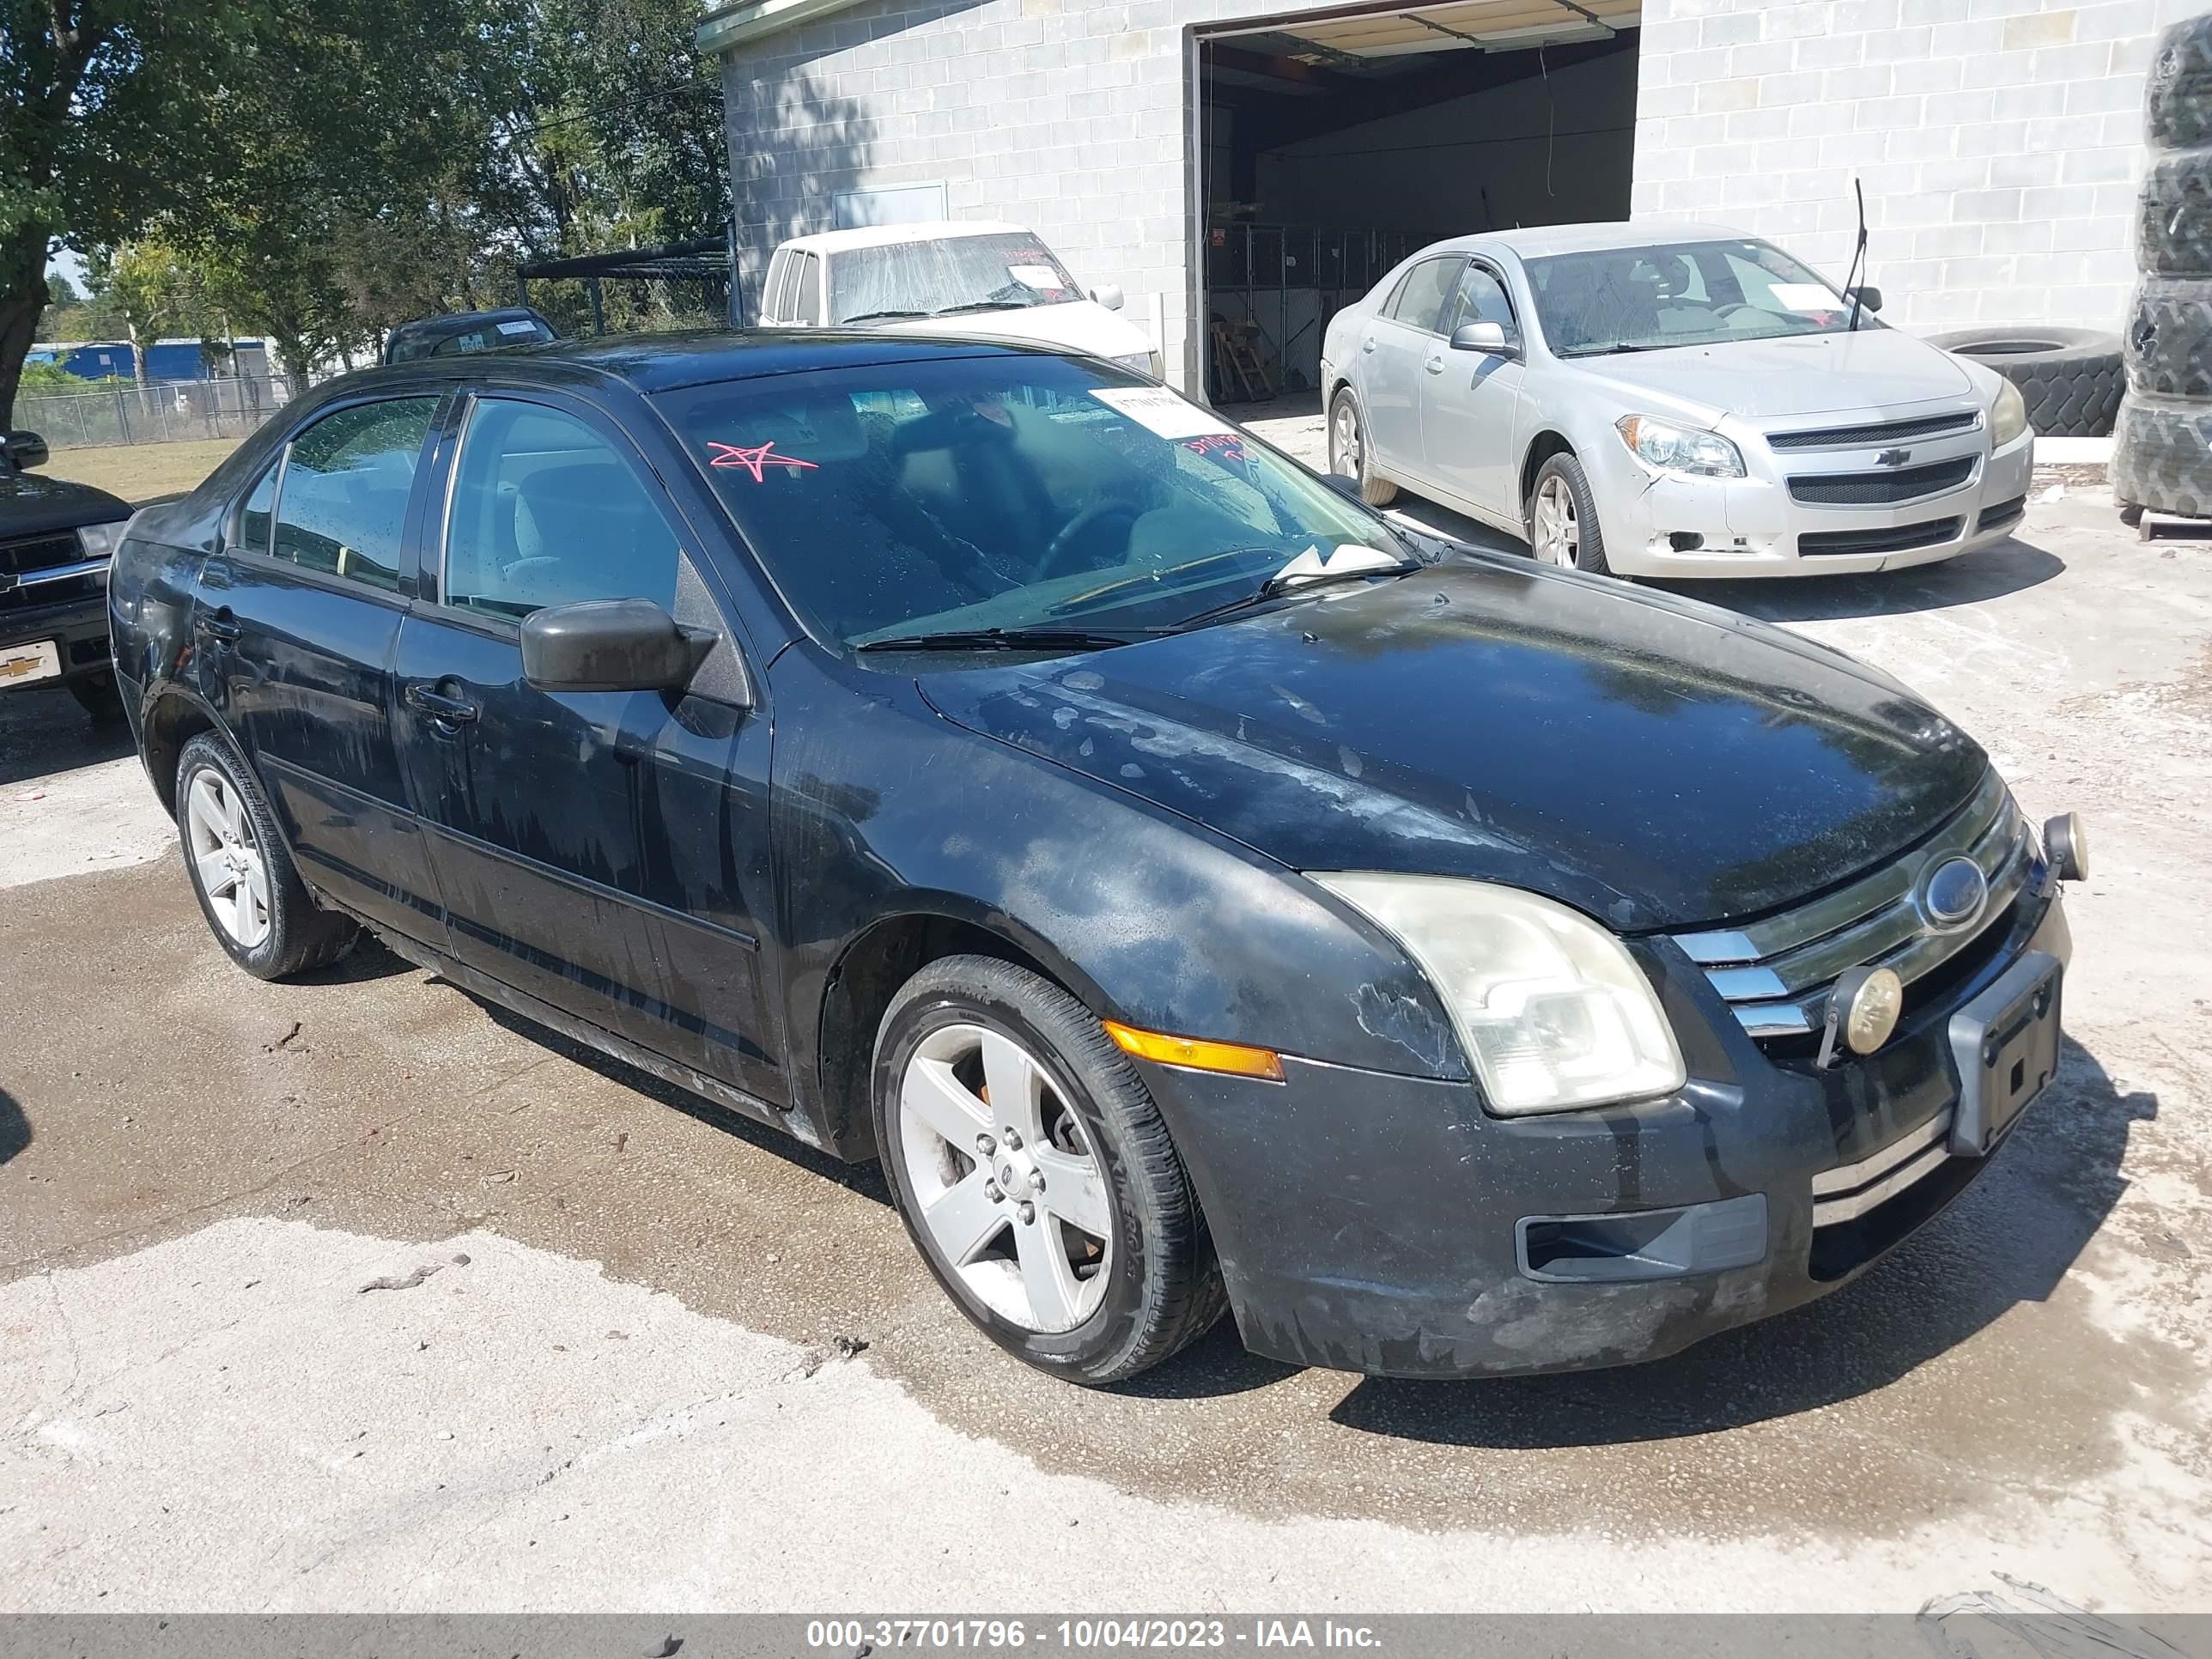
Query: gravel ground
{"points": [[617, 1364]]}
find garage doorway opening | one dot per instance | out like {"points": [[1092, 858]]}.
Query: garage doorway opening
{"points": [[1331, 145]]}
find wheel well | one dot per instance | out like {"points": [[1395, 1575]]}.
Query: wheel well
{"points": [[1546, 445], [171, 724], [861, 987]]}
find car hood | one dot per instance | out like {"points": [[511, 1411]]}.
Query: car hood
{"points": [[1765, 379], [31, 505], [1651, 761], [1079, 325]]}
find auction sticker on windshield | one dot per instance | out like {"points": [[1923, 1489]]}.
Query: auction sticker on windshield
{"points": [[1804, 296], [1161, 412], [1037, 276]]}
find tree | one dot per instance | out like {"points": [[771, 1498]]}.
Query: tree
{"points": [[153, 288], [60, 291], [110, 122]]}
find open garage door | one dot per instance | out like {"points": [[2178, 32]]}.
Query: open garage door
{"points": [[1334, 144]]}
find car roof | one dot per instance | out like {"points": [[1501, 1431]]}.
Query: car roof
{"points": [[1540, 241], [662, 362], [838, 241]]}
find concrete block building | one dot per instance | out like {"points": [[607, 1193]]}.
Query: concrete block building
{"points": [[1261, 164]]}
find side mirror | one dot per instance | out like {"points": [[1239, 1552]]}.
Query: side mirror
{"points": [[1867, 295], [610, 644], [21, 451], [1108, 295], [1489, 338]]}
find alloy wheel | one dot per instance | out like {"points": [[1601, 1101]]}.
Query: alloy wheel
{"points": [[227, 859], [1344, 441], [1005, 1179], [1556, 539]]}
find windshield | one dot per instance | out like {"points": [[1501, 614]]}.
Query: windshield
{"points": [[1640, 298], [1011, 270], [1004, 492]]}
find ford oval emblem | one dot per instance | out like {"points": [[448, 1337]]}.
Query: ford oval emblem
{"points": [[1953, 894]]}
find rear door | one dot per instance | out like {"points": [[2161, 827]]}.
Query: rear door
{"points": [[1395, 344], [1471, 399], [599, 851], [298, 617]]}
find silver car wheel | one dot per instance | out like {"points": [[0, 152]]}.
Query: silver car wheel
{"points": [[1344, 441], [1005, 1179], [227, 859], [1555, 538]]}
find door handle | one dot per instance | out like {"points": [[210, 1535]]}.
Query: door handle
{"points": [[1367, 344], [452, 711], [1435, 364], [221, 625]]}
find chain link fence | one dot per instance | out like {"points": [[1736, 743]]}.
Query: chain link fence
{"points": [[124, 412]]}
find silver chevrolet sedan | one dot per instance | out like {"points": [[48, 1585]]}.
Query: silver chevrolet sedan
{"points": [[1667, 400]]}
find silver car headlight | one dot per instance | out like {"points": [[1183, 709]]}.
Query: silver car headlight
{"points": [[1552, 1011], [1680, 448], [2007, 415], [100, 541], [1141, 363]]}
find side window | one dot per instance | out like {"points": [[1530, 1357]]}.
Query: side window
{"points": [[347, 480], [806, 304], [253, 517], [1421, 296], [546, 511], [1481, 299], [778, 263]]}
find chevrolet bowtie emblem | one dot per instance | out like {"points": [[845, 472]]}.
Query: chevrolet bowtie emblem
{"points": [[1892, 457]]}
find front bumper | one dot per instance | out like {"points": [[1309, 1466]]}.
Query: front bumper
{"points": [[77, 628], [1666, 525], [1376, 1223]]}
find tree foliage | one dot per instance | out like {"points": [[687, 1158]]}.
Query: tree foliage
{"points": [[316, 173]]}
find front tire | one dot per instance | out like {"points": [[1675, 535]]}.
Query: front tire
{"points": [[1562, 517], [256, 906], [1348, 456], [1034, 1175]]}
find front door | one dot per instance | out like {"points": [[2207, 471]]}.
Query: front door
{"points": [[1392, 349], [597, 850], [298, 617], [1471, 399]]}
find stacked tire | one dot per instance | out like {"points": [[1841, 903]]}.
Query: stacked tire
{"points": [[2162, 455]]}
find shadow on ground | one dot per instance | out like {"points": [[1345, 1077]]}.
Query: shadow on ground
{"points": [[2009, 1239], [44, 732], [14, 1127]]}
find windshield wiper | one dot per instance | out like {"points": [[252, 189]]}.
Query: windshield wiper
{"points": [[1637, 345], [1005, 638], [1281, 583], [982, 305], [871, 316]]}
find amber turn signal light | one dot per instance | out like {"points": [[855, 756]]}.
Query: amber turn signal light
{"points": [[1196, 1053]]}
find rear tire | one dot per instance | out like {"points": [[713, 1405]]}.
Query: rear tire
{"points": [[1348, 453], [255, 903], [1562, 517], [1110, 1270]]}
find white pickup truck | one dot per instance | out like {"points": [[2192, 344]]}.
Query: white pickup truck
{"points": [[997, 281]]}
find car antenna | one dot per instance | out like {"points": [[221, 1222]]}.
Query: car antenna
{"points": [[1858, 258]]}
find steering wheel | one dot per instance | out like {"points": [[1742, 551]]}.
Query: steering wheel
{"points": [[1724, 310], [1056, 551]]}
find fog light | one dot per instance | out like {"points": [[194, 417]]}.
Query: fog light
{"points": [[1684, 541], [2066, 843], [1863, 1010]]}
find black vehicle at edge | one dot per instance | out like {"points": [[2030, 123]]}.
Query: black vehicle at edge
{"points": [[1451, 965], [56, 539]]}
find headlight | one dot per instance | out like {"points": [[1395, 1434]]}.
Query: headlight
{"points": [[1551, 1009], [100, 541], [2007, 415], [1142, 362], [1680, 448]]}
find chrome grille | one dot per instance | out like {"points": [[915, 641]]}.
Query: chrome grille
{"points": [[1880, 489], [1775, 972], [1850, 1190], [1874, 437]]}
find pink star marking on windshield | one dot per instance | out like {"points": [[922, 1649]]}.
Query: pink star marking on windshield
{"points": [[754, 460]]}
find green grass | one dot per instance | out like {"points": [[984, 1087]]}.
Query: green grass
{"points": [[138, 472]]}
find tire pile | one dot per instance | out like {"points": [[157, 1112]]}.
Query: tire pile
{"points": [[2162, 458]]}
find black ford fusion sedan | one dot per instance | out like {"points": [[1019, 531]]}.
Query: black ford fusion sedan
{"points": [[1197, 892]]}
